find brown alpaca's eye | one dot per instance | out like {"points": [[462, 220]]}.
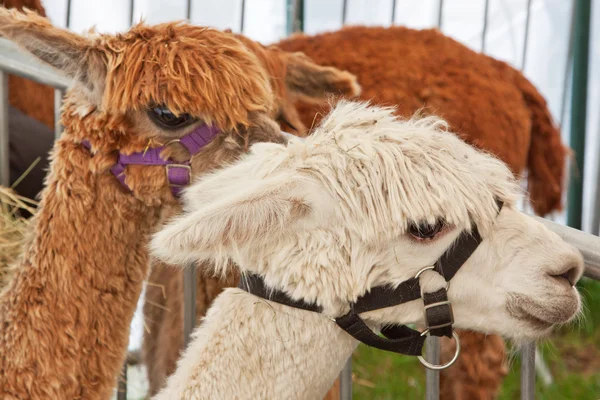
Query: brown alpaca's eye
{"points": [[425, 231], [164, 118]]}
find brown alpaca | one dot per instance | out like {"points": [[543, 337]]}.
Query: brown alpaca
{"points": [[65, 316], [491, 104]]}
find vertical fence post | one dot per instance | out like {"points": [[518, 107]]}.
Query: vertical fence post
{"points": [[295, 16], [581, 44], [526, 37], [131, 10], [4, 150], [432, 378], [189, 307], [440, 15], [486, 15], [344, 11], [243, 16], [68, 16], [528, 372], [346, 381], [568, 65], [188, 10], [122, 387]]}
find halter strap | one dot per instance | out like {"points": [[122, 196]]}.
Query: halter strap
{"points": [[401, 339], [179, 174]]}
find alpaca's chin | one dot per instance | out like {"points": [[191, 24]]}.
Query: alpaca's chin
{"points": [[538, 318]]}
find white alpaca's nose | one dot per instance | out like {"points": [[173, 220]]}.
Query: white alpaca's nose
{"points": [[571, 275], [569, 269]]}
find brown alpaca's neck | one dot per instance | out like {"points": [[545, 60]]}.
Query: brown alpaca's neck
{"points": [[64, 319]]}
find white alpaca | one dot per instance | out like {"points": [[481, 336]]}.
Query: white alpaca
{"points": [[327, 219]]}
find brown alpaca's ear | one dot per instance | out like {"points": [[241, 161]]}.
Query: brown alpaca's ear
{"points": [[254, 211], [315, 83], [72, 55]]}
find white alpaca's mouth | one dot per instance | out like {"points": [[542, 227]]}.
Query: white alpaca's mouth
{"points": [[543, 316]]}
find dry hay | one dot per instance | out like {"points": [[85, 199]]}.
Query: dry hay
{"points": [[12, 229]]}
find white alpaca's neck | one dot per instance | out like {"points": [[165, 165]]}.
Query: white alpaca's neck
{"points": [[250, 348]]}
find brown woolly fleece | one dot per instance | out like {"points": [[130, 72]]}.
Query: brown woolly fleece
{"points": [[488, 102], [64, 318]]}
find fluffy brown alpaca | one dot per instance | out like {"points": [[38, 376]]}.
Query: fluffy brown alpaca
{"points": [[491, 104], [65, 316]]}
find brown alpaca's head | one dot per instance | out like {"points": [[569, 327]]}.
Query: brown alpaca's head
{"points": [[153, 85]]}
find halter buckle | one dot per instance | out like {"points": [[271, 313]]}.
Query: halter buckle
{"points": [[188, 168], [438, 304]]}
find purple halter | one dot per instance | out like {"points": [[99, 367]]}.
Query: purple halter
{"points": [[179, 174]]}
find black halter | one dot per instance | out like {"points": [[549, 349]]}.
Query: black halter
{"points": [[397, 338]]}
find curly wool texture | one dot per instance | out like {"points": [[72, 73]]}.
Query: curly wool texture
{"points": [[277, 65], [64, 317]]}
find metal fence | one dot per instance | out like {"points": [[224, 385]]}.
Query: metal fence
{"points": [[15, 62]]}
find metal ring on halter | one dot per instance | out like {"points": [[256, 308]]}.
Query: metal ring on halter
{"points": [[431, 267], [439, 367]]}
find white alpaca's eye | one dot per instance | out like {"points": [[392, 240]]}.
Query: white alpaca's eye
{"points": [[426, 231]]}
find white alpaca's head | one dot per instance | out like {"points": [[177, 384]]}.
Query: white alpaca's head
{"points": [[329, 218]]}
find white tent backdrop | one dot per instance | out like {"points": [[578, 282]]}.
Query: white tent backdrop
{"points": [[264, 20]]}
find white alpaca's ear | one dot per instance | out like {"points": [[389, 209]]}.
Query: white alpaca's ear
{"points": [[258, 211]]}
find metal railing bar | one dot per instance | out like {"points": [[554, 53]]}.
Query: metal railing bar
{"points": [[242, 17], [122, 387], [17, 62], [432, 377], [4, 134], [579, 103], [440, 15], [189, 307], [568, 65], [68, 18], [588, 245], [486, 15], [595, 228], [344, 11], [131, 9], [526, 38], [393, 12], [528, 372], [58, 100], [346, 381], [295, 16], [188, 10]]}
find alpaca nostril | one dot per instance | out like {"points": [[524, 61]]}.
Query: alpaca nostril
{"points": [[570, 275]]}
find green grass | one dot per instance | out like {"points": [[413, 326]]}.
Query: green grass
{"points": [[572, 353]]}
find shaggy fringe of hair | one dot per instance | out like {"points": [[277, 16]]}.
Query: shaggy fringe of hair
{"points": [[421, 177]]}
